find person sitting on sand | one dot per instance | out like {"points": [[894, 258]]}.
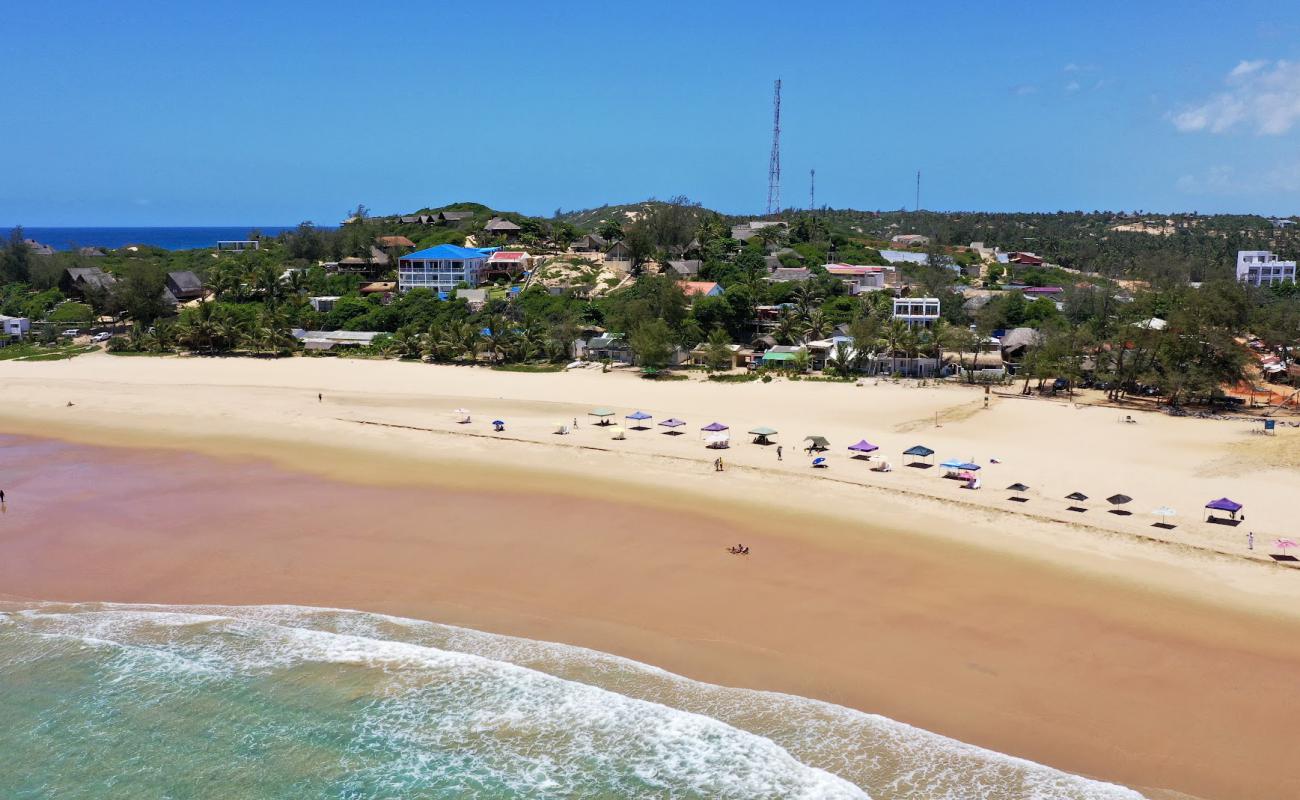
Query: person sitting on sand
{"points": [[744, 551]]}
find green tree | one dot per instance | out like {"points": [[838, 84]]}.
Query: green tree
{"points": [[717, 352], [652, 343]]}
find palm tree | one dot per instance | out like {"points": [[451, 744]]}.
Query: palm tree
{"points": [[816, 326], [498, 339], [467, 340], [894, 334], [787, 327]]}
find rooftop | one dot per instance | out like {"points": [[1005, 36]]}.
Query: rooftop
{"points": [[444, 252]]}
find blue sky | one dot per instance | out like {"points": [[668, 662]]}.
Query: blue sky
{"points": [[164, 113]]}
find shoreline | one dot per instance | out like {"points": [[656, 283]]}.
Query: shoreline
{"points": [[1091, 576]]}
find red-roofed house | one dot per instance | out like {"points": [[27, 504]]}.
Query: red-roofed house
{"points": [[507, 264], [701, 289], [1028, 259]]}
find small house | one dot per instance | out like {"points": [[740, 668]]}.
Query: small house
{"points": [[453, 218], [859, 279], [694, 289], [609, 347], [782, 355], [83, 281], [185, 286], [508, 264], [323, 303], [328, 340], [741, 356], [502, 228], [589, 243], [687, 268], [618, 253], [790, 275], [1025, 259], [13, 328], [910, 240]]}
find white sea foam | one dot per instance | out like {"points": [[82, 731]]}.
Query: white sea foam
{"points": [[596, 699], [510, 725]]}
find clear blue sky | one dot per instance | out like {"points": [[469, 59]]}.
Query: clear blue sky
{"points": [[165, 113]]}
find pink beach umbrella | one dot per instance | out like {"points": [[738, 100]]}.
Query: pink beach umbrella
{"points": [[1285, 544]]}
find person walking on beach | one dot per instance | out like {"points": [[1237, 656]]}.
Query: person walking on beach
{"points": [[320, 398], [1250, 535], [2, 496], [575, 423], [778, 452]]}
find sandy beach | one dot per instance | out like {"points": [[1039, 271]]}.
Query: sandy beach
{"points": [[1095, 643]]}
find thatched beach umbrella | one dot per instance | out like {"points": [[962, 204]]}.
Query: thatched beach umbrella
{"points": [[1118, 500]]}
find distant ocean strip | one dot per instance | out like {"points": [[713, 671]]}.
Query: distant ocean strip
{"points": [[166, 238]]}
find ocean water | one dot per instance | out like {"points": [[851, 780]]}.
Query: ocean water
{"points": [[111, 701], [166, 238]]}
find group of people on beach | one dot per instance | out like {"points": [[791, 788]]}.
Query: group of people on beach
{"points": [[738, 550]]}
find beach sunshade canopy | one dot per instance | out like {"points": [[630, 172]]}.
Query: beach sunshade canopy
{"points": [[672, 422], [714, 427], [638, 415], [952, 463], [1017, 487], [1224, 504], [498, 422], [970, 466], [1284, 544], [1164, 511], [817, 461], [1080, 496], [1119, 499], [763, 431], [918, 450], [818, 441], [600, 412], [863, 446]]}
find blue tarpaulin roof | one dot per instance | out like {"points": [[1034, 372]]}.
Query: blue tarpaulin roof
{"points": [[444, 252], [918, 450]]}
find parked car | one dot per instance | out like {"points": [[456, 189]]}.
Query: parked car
{"points": [[72, 332], [101, 337]]}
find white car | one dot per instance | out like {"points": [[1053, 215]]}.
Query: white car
{"points": [[101, 337], [72, 332]]}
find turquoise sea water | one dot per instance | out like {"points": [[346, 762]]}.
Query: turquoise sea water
{"points": [[112, 701]]}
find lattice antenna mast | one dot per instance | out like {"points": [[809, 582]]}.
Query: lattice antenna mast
{"points": [[774, 163], [918, 190], [812, 190]]}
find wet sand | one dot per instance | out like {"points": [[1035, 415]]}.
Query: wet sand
{"points": [[1066, 667]]}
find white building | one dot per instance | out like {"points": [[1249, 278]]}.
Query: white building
{"points": [[1263, 268], [860, 279], [440, 269], [13, 327], [916, 311]]}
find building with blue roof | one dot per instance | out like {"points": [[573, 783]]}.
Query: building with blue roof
{"points": [[441, 268]]}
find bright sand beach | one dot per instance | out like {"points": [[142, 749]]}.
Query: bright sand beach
{"points": [[1093, 643]]}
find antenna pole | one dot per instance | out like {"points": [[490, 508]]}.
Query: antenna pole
{"points": [[774, 162], [918, 190]]}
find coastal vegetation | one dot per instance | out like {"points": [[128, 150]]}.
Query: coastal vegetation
{"points": [[1113, 273]]}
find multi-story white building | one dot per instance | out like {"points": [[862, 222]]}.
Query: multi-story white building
{"points": [[1263, 268], [916, 311], [440, 269]]}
